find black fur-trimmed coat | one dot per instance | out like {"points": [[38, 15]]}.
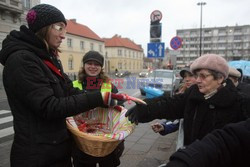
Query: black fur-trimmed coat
{"points": [[201, 116]]}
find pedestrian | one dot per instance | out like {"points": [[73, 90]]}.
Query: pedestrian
{"points": [[242, 88], [209, 104], [167, 127], [235, 75], [39, 93], [188, 79], [227, 147], [91, 77]]}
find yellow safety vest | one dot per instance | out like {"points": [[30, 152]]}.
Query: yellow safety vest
{"points": [[106, 87]]}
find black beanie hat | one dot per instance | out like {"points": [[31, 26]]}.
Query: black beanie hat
{"points": [[93, 55], [43, 15], [184, 70]]}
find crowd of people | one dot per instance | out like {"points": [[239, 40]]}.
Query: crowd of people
{"points": [[212, 102]]}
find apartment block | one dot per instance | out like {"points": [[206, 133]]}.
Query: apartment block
{"points": [[231, 42]]}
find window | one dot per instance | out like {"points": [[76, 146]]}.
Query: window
{"points": [[193, 39], [193, 33], [119, 52], [207, 39], [91, 46], [237, 37], [14, 2], [125, 65], [119, 65], [70, 62], [222, 31], [237, 30], [69, 43], [222, 39], [81, 45], [237, 45], [100, 48], [207, 31], [26, 4]]}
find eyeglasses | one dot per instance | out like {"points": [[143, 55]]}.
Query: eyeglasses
{"points": [[59, 28], [202, 76]]}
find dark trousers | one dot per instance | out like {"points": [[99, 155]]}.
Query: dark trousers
{"points": [[65, 163], [81, 159]]}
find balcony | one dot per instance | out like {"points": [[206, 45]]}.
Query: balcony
{"points": [[11, 6]]}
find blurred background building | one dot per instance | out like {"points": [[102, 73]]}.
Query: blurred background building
{"points": [[12, 16], [231, 42]]}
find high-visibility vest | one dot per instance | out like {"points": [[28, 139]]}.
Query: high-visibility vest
{"points": [[106, 87]]}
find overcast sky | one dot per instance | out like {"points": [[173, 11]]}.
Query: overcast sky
{"points": [[131, 18]]}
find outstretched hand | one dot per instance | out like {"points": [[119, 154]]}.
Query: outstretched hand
{"points": [[157, 127], [132, 115]]}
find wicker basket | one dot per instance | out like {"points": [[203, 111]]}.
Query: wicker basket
{"points": [[97, 146]]}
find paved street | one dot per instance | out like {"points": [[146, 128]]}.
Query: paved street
{"points": [[143, 148]]}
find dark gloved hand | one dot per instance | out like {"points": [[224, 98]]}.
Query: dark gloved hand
{"points": [[132, 115], [137, 113]]}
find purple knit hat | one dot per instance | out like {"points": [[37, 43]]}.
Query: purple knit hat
{"points": [[43, 15], [212, 62]]}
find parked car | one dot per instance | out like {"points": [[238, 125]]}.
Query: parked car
{"points": [[122, 74], [143, 74], [160, 79]]}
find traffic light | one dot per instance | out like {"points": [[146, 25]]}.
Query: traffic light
{"points": [[155, 31]]}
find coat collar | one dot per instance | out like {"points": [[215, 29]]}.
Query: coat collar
{"points": [[224, 97]]}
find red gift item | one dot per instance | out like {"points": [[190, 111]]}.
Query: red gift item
{"points": [[127, 97]]}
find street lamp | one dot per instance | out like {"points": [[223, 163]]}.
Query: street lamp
{"points": [[201, 4]]}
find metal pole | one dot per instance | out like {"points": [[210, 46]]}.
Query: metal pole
{"points": [[201, 4]]}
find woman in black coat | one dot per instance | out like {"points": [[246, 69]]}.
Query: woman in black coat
{"points": [[39, 93], [209, 104], [227, 147]]}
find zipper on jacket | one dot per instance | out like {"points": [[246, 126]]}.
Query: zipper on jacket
{"points": [[193, 124]]}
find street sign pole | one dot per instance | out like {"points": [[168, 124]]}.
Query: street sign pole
{"points": [[175, 43], [155, 36]]}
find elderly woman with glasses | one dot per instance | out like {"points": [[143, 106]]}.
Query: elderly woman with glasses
{"points": [[209, 104]]}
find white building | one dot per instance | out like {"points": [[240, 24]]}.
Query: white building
{"points": [[231, 42]]}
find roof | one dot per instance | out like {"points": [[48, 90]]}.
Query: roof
{"points": [[118, 41], [75, 28]]}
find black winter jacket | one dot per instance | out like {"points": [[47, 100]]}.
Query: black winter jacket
{"points": [[40, 100], [229, 147], [200, 116]]}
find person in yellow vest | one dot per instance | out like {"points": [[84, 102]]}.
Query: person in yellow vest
{"points": [[90, 78]]}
